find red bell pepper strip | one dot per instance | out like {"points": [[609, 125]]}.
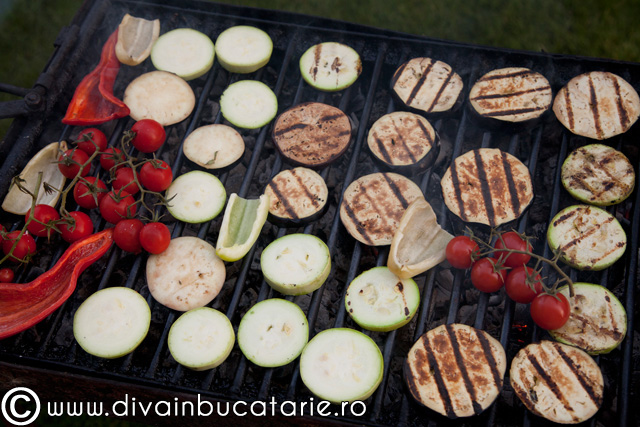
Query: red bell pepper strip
{"points": [[93, 101], [23, 305]]}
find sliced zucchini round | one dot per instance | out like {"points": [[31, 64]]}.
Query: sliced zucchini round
{"points": [[297, 196], [597, 322], [243, 49], [248, 104], [201, 339], [341, 365], [587, 237], [273, 332], [312, 134], [112, 322], [296, 264], [404, 142], [214, 146], [598, 175], [378, 300], [330, 66], [185, 52], [196, 197]]}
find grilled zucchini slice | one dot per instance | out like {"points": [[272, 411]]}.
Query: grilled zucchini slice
{"points": [[558, 382], [598, 175], [196, 197], [243, 49], [587, 237], [185, 52], [597, 322], [330, 66], [248, 104], [456, 370]]}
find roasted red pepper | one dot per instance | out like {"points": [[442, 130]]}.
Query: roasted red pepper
{"points": [[23, 305], [93, 101]]}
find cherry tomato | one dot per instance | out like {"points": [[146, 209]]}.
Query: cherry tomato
{"points": [[88, 194], [149, 135], [72, 162], [6, 275], [26, 246], [155, 175], [110, 157], [126, 234], [512, 240], [124, 180], [42, 215], [90, 139], [517, 285], [459, 251], [117, 205], [155, 237], [79, 228], [487, 276], [550, 311]]}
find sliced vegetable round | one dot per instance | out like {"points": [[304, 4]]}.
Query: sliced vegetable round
{"points": [[598, 175], [330, 66], [241, 225], [186, 52], [248, 104], [214, 146], [597, 321], [273, 332], [136, 37], [378, 300], [588, 238], [341, 365], [112, 322], [201, 338], [243, 49], [196, 197], [296, 264]]}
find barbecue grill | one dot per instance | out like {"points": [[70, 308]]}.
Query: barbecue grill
{"points": [[46, 357]]}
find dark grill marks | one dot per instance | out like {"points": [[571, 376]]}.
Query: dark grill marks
{"points": [[456, 188], [396, 191], [505, 76], [440, 90], [419, 83], [491, 361], [593, 103], [596, 398], [484, 187], [550, 383], [513, 111], [295, 126], [442, 387], [584, 235], [398, 73], [511, 185], [567, 103], [317, 53], [403, 143], [510, 95], [284, 200], [382, 148], [362, 230], [463, 369], [426, 132], [622, 111]]}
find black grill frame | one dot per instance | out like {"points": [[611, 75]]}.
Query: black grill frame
{"points": [[49, 347]]}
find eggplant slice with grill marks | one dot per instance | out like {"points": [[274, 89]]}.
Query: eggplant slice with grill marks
{"points": [[312, 134], [297, 196], [456, 370], [488, 186], [427, 85], [597, 105], [404, 142], [558, 382], [373, 205]]}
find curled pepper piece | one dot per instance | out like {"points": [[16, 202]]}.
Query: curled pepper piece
{"points": [[93, 101], [23, 305]]}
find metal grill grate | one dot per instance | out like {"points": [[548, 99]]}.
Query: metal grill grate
{"points": [[446, 295]]}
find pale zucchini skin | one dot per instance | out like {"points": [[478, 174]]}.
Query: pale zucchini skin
{"points": [[243, 49], [185, 52], [248, 104]]}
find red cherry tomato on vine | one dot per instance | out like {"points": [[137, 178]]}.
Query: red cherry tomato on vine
{"points": [[487, 276], [88, 194], [26, 246], [517, 286], [126, 234], [6, 275], [44, 214], [110, 157], [124, 181], [149, 135], [459, 250], [156, 175], [91, 139], [117, 205], [72, 162], [155, 237], [79, 228], [550, 311], [512, 240]]}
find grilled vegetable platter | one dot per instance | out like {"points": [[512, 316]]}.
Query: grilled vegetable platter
{"points": [[411, 218]]}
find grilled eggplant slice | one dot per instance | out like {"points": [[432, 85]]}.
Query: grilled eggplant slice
{"points": [[598, 175], [597, 105], [312, 134], [456, 370], [512, 95], [587, 237], [487, 186], [427, 85], [404, 142], [558, 382], [598, 321], [297, 196], [214, 146], [373, 205]]}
